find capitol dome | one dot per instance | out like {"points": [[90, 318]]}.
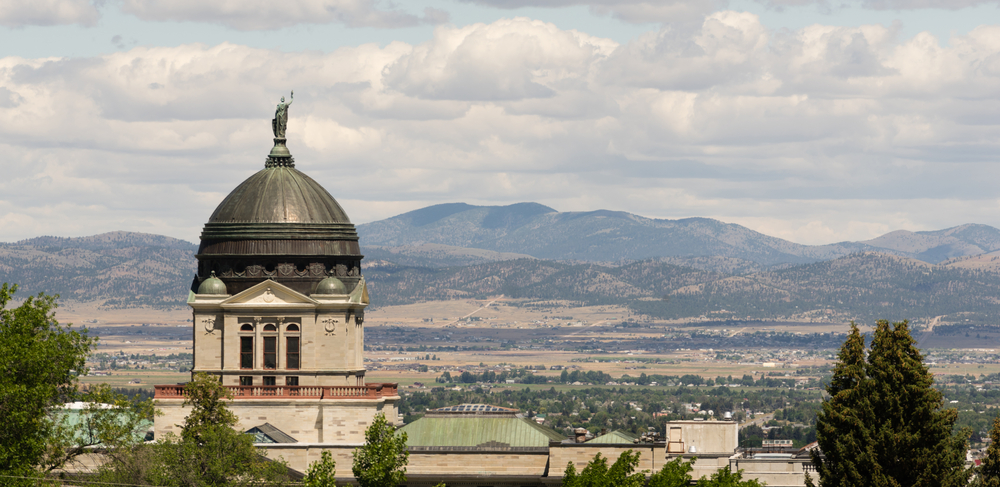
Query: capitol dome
{"points": [[279, 224]]}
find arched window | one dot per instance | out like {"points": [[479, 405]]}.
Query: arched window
{"points": [[292, 328], [270, 346], [246, 327]]}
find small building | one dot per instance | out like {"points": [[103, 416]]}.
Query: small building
{"points": [[459, 444]]}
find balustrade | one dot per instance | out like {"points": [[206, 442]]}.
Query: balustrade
{"points": [[372, 391]]}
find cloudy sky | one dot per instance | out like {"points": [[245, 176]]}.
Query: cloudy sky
{"points": [[812, 120]]}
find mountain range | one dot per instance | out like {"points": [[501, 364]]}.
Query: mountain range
{"points": [[614, 237], [687, 268], [119, 269]]}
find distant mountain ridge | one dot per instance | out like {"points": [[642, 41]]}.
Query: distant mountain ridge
{"points": [[863, 287], [616, 236], [532, 251], [939, 245], [119, 269]]}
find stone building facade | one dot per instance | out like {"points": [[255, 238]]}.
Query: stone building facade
{"points": [[278, 311], [278, 306]]}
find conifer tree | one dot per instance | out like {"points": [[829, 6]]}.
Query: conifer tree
{"points": [[988, 474], [883, 423]]}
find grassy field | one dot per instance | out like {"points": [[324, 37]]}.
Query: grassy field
{"points": [[148, 378]]}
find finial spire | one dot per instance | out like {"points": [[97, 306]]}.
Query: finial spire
{"points": [[280, 156]]}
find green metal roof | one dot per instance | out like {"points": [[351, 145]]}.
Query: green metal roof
{"points": [[77, 418], [478, 431], [615, 437]]}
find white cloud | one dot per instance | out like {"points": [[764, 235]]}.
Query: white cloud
{"points": [[271, 15], [884, 4], [20, 13], [634, 11], [821, 134], [507, 60]]}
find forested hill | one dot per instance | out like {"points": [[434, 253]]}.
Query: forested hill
{"points": [[118, 269], [615, 236], [124, 269], [863, 287]]}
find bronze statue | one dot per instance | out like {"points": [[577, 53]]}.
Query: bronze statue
{"points": [[280, 121]]}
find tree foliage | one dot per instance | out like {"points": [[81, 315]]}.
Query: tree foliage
{"points": [[598, 474], [112, 420], [381, 461], [725, 477], [41, 362], [675, 473], [988, 474], [884, 423], [210, 452], [321, 473]]}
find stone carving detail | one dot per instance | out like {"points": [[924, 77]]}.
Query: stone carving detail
{"points": [[330, 325], [268, 296], [209, 323], [234, 268], [359, 319]]}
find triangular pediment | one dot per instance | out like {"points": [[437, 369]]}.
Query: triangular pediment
{"points": [[269, 293]]}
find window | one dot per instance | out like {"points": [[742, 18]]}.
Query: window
{"points": [[270, 352], [291, 381], [269, 381], [246, 327], [246, 380], [270, 328], [292, 328], [292, 353], [246, 352]]}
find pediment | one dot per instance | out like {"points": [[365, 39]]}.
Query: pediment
{"points": [[269, 293]]}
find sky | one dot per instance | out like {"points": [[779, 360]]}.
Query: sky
{"points": [[817, 121]]}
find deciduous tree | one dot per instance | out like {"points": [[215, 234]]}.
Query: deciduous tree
{"points": [[381, 461], [209, 451], [725, 477], [675, 473], [321, 473], [598, 474], [39, 369]]}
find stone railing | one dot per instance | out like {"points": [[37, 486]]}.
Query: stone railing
{"points": [[367, 391]]}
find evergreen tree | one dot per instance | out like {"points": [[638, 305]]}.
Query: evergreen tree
{"points": [[988, 474], [883, 423], [844, 441]]}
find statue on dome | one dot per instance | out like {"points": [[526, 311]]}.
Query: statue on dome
{"points": [[280, 121]]}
